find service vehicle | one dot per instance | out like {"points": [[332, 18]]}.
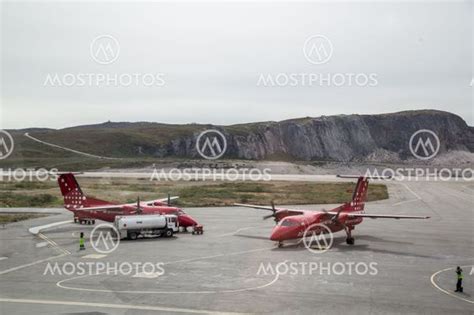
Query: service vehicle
{"points": [[134, 226]]}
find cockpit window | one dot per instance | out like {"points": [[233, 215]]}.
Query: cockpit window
{"points": [[288, 223]]}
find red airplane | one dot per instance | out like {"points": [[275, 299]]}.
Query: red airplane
{"points": [[87, 207], [295, 224]]}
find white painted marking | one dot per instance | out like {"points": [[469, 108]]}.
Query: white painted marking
{"points": [[60, 283], [410, 190], [446, 291], [42, 244], [3, 258], [68, 149], [147, 275], [30, 264], [408, 201], [115, 306], [236, 231], [37, 229], [94, 256], [63, 252]]}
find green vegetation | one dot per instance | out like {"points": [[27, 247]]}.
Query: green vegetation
{"points": [[192, 193], [15, 217], [263, 193], [8, 200]]}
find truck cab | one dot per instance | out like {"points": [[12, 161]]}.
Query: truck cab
{"points": [[172, 222]]}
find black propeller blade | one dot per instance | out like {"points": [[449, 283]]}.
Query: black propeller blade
{"points": [[139, 209], [274, 211]]}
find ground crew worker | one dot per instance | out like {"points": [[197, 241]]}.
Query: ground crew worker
{"points": [[81, 242], [459, 287]]}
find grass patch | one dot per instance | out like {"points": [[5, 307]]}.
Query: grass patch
{"points": [[192, 193], [226, 194], [16, 217], [8, 200]]}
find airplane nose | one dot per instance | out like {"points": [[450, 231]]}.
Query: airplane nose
{"points": [[282, 233], [277, 234], [186, 220]]}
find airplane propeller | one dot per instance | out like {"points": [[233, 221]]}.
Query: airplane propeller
{"points": [[274, 211], [169, 200], [139, 209]]}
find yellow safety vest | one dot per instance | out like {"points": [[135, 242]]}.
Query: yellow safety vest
{"points": [[81, 241]]}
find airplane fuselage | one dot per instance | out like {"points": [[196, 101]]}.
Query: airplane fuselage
{"points": [[294, 226]]}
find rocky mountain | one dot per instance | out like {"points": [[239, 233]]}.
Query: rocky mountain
{"points": [[344, 138]]}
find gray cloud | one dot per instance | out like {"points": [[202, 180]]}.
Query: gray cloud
{"points": [[213, 53]]}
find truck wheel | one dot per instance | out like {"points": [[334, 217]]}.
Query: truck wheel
{"points": [[169, 233], [133, 236], [93, 222]]}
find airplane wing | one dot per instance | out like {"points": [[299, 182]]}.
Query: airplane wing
{"points": [[269, 208], [103, 207], [153, 201], [385, 216], [134, 204]]}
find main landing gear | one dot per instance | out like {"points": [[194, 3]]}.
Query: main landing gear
{"points": [[86, 221], [349, 239]]}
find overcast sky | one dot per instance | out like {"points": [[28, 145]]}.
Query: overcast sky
{"points": [[210, 57]]}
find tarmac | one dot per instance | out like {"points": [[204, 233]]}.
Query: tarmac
{"points": [[234, 268]]}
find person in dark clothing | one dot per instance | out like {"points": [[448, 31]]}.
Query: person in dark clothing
{"points": [[459, 287]]}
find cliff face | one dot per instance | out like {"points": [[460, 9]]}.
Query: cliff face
{"points": [[342, 138], [333, 138]]}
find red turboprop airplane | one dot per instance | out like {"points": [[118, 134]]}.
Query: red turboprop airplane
{"points": [[295, 224], [87, 207]]}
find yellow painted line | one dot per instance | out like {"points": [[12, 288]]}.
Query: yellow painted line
{"points": [[115, 306], [446, 291], [62, 252], [54, 244]]}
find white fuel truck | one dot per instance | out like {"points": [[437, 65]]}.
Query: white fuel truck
{"points": [[133, 226]]}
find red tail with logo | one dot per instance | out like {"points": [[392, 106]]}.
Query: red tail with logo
{"points": [[360, 194], [74, 198]]}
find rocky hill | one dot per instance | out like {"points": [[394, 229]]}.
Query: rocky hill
{"points": [[344, 138]]}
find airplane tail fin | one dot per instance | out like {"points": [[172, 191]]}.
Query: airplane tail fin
{"points": [[360, 194], [71, 191]]}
